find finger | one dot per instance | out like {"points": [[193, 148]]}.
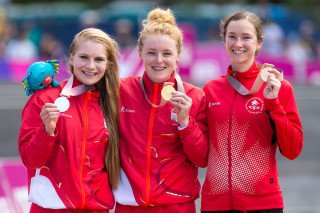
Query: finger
{"points": [[181, 95], [49, 108], [275, 72], [182, 100], [178, 94], [50, 117]]}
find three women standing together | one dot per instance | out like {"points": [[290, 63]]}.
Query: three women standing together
{"points": [[233, 126]]}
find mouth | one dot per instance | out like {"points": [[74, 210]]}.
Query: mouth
{"points": [[239, 51], [159, 68], [89, 73]]}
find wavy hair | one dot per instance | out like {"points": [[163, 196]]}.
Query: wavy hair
{"points": [[108, 88]]}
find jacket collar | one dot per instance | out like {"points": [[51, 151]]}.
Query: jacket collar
{"points": [[246, 78], [150, 86], [251, 73]]}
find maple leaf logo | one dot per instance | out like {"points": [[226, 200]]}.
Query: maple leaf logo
{"points": [[249, 164]]}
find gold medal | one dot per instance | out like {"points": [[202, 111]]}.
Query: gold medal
{"points": [[166, 92]]}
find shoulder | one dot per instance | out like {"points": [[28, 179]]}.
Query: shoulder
{"points": [[218, 81], [128, 80], [188, 87], [286, 87], [129, 85], [194, 92], [48, 94]]}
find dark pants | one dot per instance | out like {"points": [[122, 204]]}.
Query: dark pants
{"points": [[256, 211]]}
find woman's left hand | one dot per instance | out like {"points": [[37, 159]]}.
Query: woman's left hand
{"points": [[182, 104], [273, 85]]}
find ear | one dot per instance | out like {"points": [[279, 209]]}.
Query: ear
{"points": [[178, 58], [260, 43], [71, 59], [140, 54]]}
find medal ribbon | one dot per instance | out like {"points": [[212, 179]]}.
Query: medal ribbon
{"points": [[68, 91], [179, 87], [262, 77], [62, 102]]}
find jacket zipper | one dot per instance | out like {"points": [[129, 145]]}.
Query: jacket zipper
{"points": [[229, 151], [153, 109], [84, 148]]}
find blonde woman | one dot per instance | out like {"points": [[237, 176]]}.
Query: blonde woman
{"points": [[69, 134], [162, 139]]}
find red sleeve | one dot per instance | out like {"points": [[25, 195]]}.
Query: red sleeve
{"points": [[35, 144], [283, 111], [195, 136]]}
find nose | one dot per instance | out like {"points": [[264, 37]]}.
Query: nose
{"points": [[238, 42], [90, 64], [159, 58]]}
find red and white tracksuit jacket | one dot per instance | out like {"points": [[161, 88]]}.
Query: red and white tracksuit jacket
{"points": [[158, 160], [244, 134], [67, 170]]}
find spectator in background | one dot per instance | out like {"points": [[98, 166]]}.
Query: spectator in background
{"points": [[297, 53], [50, 47], [3, 26], [20, 48], [273, 39], [89, 18], [307, 30], [124, 33]]}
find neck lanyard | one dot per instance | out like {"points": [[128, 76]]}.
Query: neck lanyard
{"points": [[262, 77], [62, 102], [179, 87]]}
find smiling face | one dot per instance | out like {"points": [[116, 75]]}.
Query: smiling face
{"points": [[241, 44], [160, 56], [89, 62]]}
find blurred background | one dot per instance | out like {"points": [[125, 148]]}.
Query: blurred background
{"points": [[33, 31]]}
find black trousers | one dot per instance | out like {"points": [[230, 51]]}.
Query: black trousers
{"points": [[256, 211]]}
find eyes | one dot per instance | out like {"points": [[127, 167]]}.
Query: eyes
{"points": [[97, 59], [154, 53], [245, 37]]}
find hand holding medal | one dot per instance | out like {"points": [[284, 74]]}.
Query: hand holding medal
{"points": [[49, 115], [273, 84], [179, 100], [269, 70]]}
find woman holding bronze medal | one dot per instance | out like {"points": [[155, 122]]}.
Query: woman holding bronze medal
{"points": [[69, 134], [161, 127], [251, 112]]}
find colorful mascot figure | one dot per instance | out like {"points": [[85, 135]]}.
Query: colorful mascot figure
{"points": [[40, 75]]}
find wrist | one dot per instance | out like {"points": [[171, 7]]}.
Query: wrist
{"points": [[51, 133], [184, 123]]}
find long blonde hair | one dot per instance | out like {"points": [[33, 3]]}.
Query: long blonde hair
{"points": [[108, 87]]}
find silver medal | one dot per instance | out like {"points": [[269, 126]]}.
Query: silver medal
{"points": [[62, 104]]}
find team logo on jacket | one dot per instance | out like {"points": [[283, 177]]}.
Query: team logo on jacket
{"points": [[123, 109], [254, 105]]}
